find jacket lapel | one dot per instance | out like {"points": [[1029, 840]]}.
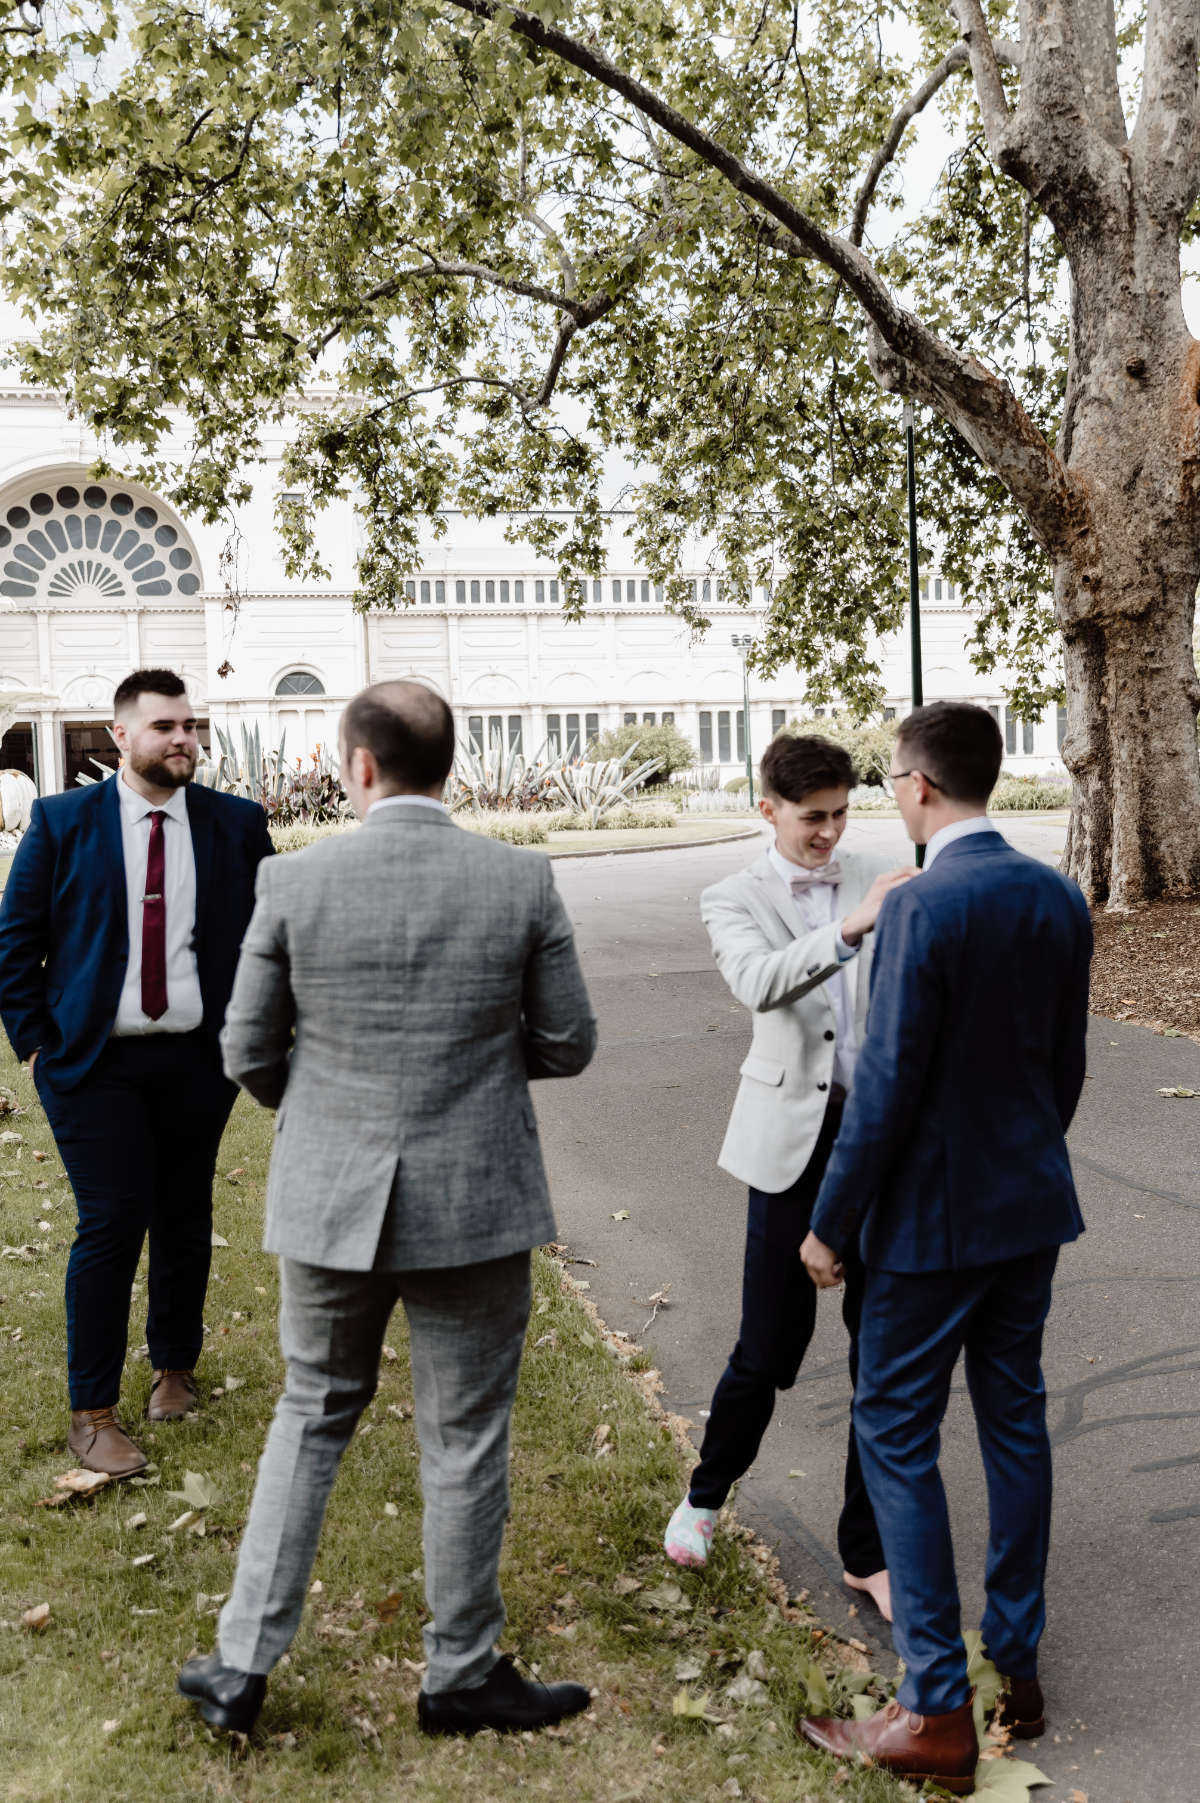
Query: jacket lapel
{"points": [[203, 830], [778, 894], [112, 851]]}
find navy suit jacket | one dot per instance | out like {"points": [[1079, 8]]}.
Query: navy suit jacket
{"points": [[952, 1150], [64, 927]]}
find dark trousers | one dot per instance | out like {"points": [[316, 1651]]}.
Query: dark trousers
{"points": [[779, 1312], [139, 1139], [914, 1327]]}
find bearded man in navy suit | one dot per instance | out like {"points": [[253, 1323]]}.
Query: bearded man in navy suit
{"points": [[120, 930], [954, 1134]]}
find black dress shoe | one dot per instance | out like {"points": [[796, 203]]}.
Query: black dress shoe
{"points": [[505, 1701], [227, 1698]]}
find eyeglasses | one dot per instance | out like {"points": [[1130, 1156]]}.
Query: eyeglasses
{"points": [[894, 776]]}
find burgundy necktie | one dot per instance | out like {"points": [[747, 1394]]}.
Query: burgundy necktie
{"points": [[154, 925]]}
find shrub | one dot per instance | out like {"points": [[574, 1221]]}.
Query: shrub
{"points": [[636, 817], [737, 785], [295, 838], [868, 742], [296, 793], [512, 829], [666, 744], [596, 789], [499, 781], [1013, 793]]}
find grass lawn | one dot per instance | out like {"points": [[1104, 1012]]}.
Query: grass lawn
{"points": [[89, 1710]]}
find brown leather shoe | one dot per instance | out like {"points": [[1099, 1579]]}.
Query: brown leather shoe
{"points": [[943, 1749], [1022, 1709], [100, 1443], [172, 1394]]}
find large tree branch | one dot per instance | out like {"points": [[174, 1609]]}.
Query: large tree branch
{"points": [[959, 58], [1049, 142], [1164, 139], [910, 356], [1096, 25]]}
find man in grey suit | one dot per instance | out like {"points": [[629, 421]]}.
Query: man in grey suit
{"points": [[398, 988]]}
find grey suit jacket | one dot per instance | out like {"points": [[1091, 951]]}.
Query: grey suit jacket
{"points": [[780, 971], [398, 987]]}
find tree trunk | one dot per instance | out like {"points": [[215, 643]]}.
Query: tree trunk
{"points": [[1132, 697], [1127, 570]]}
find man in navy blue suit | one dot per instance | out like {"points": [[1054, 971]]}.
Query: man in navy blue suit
{"points": [[952, 1166], [120, 930]]}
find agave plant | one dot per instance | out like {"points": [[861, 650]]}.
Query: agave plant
{"points": [[594, 790], [500, 780]]}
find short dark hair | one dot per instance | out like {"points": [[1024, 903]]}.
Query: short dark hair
{"points": [[408, 730], [795, 765], [146, 682], [956, 745]]}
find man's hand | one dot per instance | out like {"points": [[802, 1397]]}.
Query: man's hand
{"points": [[33, 1058], [861, 920], [821, 1262]]}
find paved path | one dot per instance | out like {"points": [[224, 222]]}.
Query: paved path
{"points": [[641, 1131]]}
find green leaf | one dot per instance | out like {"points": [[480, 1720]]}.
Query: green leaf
{"points": [[1007, 1780], [692, 1708]]}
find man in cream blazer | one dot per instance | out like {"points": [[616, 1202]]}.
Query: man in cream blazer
{"points": [[792, 938]]}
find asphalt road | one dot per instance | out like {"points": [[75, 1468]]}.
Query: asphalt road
{"points": [[641, 1130]]}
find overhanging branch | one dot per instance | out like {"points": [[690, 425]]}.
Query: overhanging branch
{"points": [[984, 409]]}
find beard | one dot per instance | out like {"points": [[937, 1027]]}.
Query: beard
{"points": [[162, 774]]}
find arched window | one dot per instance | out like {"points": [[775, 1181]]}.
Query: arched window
{"points": [[299, 682]]}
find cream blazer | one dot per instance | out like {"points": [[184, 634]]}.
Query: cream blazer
{"points": [[780, 971]]}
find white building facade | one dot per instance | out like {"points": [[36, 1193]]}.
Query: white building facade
{"points": [[101, 577]]}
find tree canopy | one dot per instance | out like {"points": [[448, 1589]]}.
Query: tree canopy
{"points": [[517, 238], [509, 269]]}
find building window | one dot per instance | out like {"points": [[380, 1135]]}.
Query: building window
{"points": [[504, 594], [591, 724], [646, 593], [705, 737], [460, 593], [889, 713], [1010, 732], [489, 593], [706, 591], [515, 741], [18, 751], [299, 682], [1027, 736], [553, 735], [539, 592], [495, 732], [475, 593], [668, 719], [741, 735], [573, 746], [659, 596], [647, 719], [554, 594], [937, 589], [629, 719], [724, 753], [1061, 726], [439, 593], [410, 591], [519, 592], [475, 733], [778, 720], [616, 590]]}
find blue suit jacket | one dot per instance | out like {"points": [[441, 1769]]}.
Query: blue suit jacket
{"points": [[952, 1150], [64, 930]]}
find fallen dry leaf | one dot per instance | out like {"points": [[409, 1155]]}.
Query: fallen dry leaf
{"points": [[37, 1618], [82, 1483]]}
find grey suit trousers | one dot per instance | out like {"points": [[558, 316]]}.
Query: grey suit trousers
{"points": [[466, 1333]]}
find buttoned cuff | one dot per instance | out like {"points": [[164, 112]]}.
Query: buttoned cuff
{"points": [[845, 952]]}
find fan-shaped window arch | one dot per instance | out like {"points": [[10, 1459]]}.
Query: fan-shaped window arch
{"points": [[91, 546], [299, 682]]}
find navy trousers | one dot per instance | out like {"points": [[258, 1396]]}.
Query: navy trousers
{"points": [[139, 1139], [914, 1326], [779, 1311]]}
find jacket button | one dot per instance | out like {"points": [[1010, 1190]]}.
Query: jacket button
{"points": [[812, 970], [829, 1034], [822, 1086]]}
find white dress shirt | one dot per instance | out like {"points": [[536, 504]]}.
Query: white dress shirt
{"points": [[817, 906], [185, 1009], [957, 829]]}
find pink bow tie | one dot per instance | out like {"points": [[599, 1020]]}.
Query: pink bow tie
{"points": [[830, 873]]}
